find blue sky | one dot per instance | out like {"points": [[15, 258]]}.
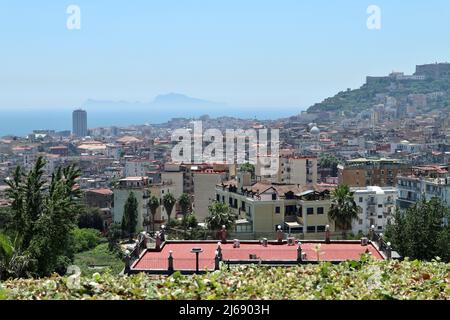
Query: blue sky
{"points": [[283, 53]]}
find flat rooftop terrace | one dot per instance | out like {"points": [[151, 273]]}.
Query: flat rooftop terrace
{"points": [[248, 252]]}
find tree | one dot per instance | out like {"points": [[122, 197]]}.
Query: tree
{"points": [[219, 215], [130, 216], [185, 203], [86, 239], [168, 203], [248, 167], [114, 236], [331, 162], [422, 231], [91, 218], [153, 205], [53, 230], [43, 216], [343, 208]]}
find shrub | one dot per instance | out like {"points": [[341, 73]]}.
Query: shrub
{"points": [[86, 239]]}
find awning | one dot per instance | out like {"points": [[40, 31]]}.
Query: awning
{"points": [[293, 225], [304, 193]]}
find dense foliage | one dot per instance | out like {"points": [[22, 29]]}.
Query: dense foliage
{"points": [[130, 216], [422, 231], [153, 205], [354, 101], [42, 216], [86, 239], [343, 208], [169, 202], [348, 280], [99, 260], [91, 218], [219, 215]]}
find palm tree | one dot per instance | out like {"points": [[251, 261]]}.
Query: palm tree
{"points": [[343, 208], [153, 205], [185, 203], [168, 203], [219, 215]]}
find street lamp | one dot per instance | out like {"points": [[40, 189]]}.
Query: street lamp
{"points": [[197, 251]]}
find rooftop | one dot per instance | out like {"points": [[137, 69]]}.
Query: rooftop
{"points": [[184, 259]]}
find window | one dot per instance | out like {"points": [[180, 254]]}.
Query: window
{"points": [[311, 229], [361, 199], [360, 221], [277, 209], [380, 228], [320, 228], [380, 217], [274, 196], [320, 210], [310, 211], [223, 199], [380, 206], [217, 197]]}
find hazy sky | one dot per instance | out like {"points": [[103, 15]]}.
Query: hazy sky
{"points": [[242, 52]]}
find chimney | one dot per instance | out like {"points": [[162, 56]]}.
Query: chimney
{"points": [[299, 252], [280, 234], [170, 260], [158, 241], [236, 243], [217, 261], [219, 250], [388, 251], [364, 241], [371, 232], [264, 242]]}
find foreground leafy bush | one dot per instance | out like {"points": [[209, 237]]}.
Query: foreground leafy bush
{"points": [[349, 280]]}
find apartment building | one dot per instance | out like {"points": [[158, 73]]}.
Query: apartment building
{"points": [[364, 172], [291, 170], [140, 187], [424, 181], [205, 182], [140, 167], [376, 207]]}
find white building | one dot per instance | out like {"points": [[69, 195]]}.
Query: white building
{"points": [[292, 170], [376, 207], [205, 191], [139, 186], [139, 167]]}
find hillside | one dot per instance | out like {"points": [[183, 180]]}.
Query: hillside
{"points": [[365, 97], [349, 280]]}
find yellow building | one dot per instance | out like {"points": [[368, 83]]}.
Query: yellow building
{"points": [[263, 206]]}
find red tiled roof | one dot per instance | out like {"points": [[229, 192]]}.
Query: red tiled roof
{"points": [[185, 260]]}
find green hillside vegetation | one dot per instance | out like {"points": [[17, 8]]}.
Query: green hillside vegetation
{"points": [[365, 279], [364, 98], [99, 260]]}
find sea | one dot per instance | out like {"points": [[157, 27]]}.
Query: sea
{"points": [[23, 122]]}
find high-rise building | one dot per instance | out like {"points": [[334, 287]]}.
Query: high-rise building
{"points": [[79, 123]]}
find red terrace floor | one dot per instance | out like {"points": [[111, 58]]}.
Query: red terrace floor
{"points": [[185, 260]]}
